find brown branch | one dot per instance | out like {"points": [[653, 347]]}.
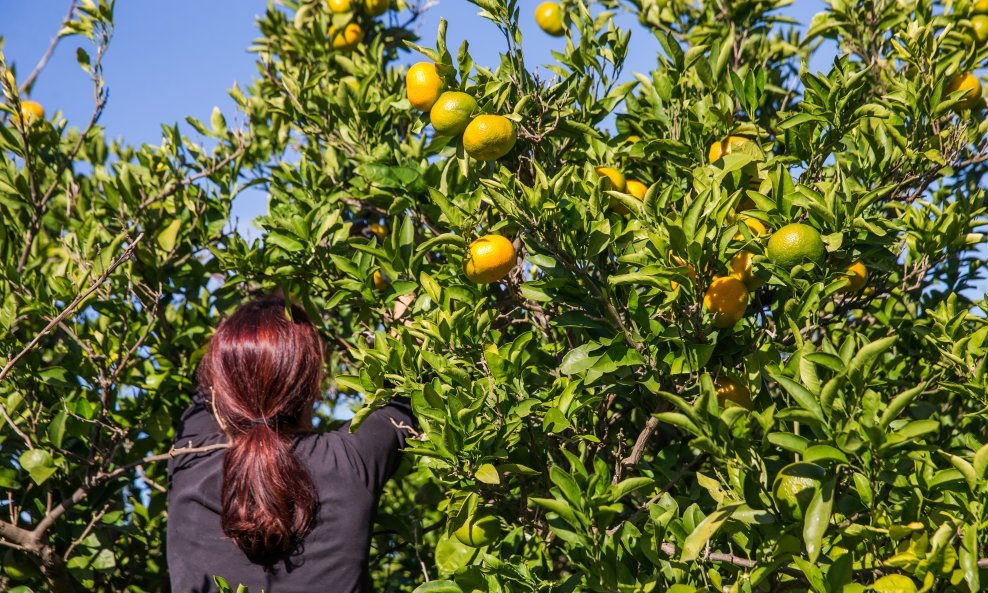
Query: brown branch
{"points": [[81, 492], [82, 296], [636, 452]]}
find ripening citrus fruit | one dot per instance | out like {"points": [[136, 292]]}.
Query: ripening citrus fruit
{"points": [[741, 268], [549, 16], [636, 188], [378, 229], [489, 259], [756, 226], [741, 262], [479, 530], [678, 261], [795, 244], [423, 85], [730, 391], [795, 486], [376, 7], [719, 149], [979, 26], [980, 7], [489, 137], [31, 112], [452, 113], [726, 299], [618, 182], [969, 83], [340, 5], [381, 280], [348, 39], [857, 277]]}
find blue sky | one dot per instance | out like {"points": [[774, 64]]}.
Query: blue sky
{"points": [[171, 59]]}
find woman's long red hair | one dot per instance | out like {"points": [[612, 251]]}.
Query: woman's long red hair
{"points": [[263, 369]]}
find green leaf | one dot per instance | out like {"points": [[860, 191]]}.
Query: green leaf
{"points": [[438, 587], [894, 583], [867, 354], [579, 359], [487, 474], [817, 519], [168, 236], [898, 404], [696, 540], [803, 397], [56, 430], [39, 464], [968, 556], [452, 555], [625, 487]]}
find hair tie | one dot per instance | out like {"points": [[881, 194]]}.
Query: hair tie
{"points": [[257, 421]]}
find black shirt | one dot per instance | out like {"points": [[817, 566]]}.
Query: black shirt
{"points": [[348, 470]]}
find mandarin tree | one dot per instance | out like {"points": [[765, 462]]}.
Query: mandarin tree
{"points": [[760, 369]]}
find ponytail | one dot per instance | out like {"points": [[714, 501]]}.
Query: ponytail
{"points": [[269, 500], [263, 368]]}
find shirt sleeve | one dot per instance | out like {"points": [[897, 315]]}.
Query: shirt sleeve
{"points": [[378, 440]]}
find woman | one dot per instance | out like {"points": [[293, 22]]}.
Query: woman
{"points": [[285, 508]]}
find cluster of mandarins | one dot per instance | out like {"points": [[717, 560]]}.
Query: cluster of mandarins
{"points": [[348, 37], [486, 137]]}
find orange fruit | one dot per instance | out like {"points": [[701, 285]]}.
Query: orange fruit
{"points": [[979, 26], [489, 137], [794, 487], [549, 16], [741, 262], [980, 7], [730, 391], [741, 269], [378, 229], [31, 112], [726, 299], [719, 149], [967, 83], [479, 530], [636, 188], [756, 226], [381, 280], [795, 244], [857, 277], [489, 259], [618, 182], [678, 261], [340, 5], [423, 85], [348, 39], [452, 113]]}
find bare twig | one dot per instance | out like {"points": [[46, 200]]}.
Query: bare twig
{"points": [[29, 81]]}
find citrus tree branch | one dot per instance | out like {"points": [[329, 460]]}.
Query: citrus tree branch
{"points": [[29, 81], [71, 308], [103, 477]]}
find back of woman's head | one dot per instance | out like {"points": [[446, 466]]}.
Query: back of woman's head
{"points": [[263, 370]]}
